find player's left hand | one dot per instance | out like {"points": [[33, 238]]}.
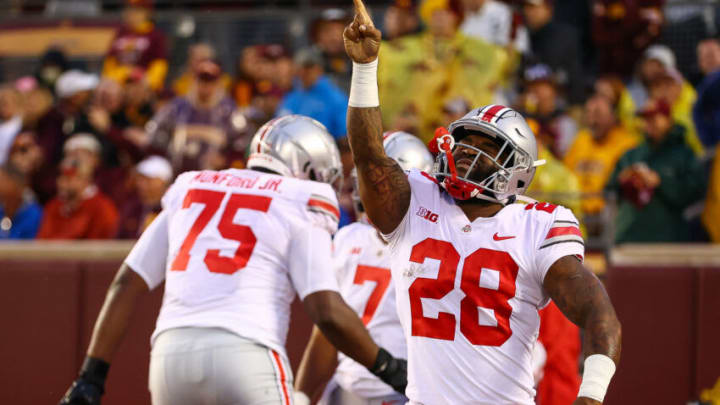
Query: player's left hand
{"points": [[82, 392], [586, 401], [391, 371]]}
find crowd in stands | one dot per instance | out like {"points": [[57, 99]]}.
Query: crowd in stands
{"points": [[629, 136]]}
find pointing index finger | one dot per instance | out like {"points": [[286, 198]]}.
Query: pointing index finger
{"points": [[362, 12]]}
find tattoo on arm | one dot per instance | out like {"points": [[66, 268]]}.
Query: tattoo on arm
{"points": [[384, 187], [583, 300]]}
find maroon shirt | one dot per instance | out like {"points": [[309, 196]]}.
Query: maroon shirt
{"points": [[138, 49]]}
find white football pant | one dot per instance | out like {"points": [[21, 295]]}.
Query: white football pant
{"points": [[212, 366]]}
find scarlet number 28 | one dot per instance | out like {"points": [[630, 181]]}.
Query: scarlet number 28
{"points": [[443, 327]]}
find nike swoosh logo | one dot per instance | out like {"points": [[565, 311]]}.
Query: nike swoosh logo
{"points": [[499, 238]]}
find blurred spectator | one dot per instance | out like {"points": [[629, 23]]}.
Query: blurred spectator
{"points": [[266, 102], [25, 154], [80, 210], [11, 121], [138, 102], [596, 150], [419, 73], [611, 87], [260, 67], [154, 175], [196, 54], [706, 112], [656, 182], [711, 213], [38, 102], [400, 19], [314, 95], [120, 129], [542, 102], [74, 90], [621, 30], [53, 63], [680, 95], [326, 35], [138, 46], [493, 21], [555, 183], [202, 130], [555, 44], [20, 214]]}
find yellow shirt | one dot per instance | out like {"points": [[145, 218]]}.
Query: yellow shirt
{"points": [[593, 162], [682, 114], [422, 72], [555, 183], [711, 214]]}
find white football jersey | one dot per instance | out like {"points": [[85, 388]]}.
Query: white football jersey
{"points": [[468, 294], [234, 247], [362, 263]]}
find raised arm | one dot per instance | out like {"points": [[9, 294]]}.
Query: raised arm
{"points": [[583, 300], [383, 185]]}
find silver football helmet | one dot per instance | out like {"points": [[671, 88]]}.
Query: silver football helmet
{"points": [[515, 161], [297, 146], [407, 150]]}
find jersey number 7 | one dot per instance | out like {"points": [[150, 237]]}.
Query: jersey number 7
{"points": [[381, 277], [492, 298], [211, 200]]}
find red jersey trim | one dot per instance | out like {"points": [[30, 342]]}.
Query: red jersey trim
{"points": [[325, 207]]}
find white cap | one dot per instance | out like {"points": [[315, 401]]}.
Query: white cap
{"points": [[82, 141], [662, 54], [155, 167], [75, 81]]}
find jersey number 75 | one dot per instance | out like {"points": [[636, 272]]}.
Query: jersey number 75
{"points": [[211, 200]]}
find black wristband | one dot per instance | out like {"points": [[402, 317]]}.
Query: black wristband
{"points": [[95, 371], [381, 361]]}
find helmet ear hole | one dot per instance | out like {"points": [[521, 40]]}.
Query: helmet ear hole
{"points": [[520, 184], [312, 175]]}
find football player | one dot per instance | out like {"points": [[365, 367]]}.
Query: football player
{"points": [[470, 268], [234, 247], [362, 265]]}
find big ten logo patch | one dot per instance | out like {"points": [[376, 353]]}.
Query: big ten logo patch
{"points": [[427, 214]]}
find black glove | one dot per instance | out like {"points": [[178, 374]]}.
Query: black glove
{"points": [[392, 371], [89, 386]]}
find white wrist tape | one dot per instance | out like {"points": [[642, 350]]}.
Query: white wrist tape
{"points": [[599, 369], [299, 398], [363, 87]]}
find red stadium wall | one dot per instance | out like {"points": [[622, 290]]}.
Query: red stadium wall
{"points": [[48, 308], [50, 295]]}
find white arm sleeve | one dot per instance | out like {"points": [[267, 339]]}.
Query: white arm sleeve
{"points": [[149, 255], [311, 265]]}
